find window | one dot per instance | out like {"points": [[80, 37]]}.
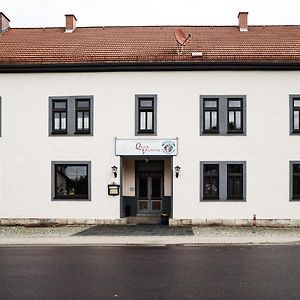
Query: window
{"points": [[223, 115], [59, 116], [211, 182], [83, 116], [211, 115], [71, 180], [295, 114], [235, 115], [70, 115], [146, 114], [0, 116], [295, 181], [234, 181], [223, 181]]}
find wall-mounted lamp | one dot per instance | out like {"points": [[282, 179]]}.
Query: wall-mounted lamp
{"points": [[115, 171], [177, 170]]}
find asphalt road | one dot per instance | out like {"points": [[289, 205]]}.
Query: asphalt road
{"points": [[209, 272]]}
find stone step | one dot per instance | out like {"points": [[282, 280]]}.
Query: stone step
{"points": [[143, 220]]}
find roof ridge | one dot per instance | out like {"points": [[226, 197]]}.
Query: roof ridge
{"points": [[152, 26]]}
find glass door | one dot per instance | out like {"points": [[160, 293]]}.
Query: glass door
{"points": [[149, 193], [156, 192], [143, 193]]}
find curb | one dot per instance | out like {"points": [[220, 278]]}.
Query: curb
{"points": [[150, 244]]}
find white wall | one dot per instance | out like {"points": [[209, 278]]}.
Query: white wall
{"points": [[26, 150]]}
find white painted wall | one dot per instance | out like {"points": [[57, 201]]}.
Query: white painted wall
{"points": [[26, 150]]}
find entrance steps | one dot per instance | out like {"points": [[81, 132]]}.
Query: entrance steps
{"points": [[143, 220]]}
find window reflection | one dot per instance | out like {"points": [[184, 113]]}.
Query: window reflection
{"points": [[71, 181]]}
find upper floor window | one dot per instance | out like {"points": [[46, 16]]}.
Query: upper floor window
{"points": [[223, 115], [83, 112], [70, 115], [235, 115], [146, 114], [211, 115], [59, 116], [295, 114]]}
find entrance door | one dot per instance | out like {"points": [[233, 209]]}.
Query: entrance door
{"points": [[149, 193]]}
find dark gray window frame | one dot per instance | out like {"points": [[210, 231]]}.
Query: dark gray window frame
{"points": [[71, 115], [223, 180], [291, 105], [60, 112], [211, 110], [53, 163], [235, 110], [150, 96], [211, 197], [234, 176], [83, 111], [223, 115], [291, 181]]}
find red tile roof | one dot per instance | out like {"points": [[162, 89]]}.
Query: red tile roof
{"points": [[149, 44]]}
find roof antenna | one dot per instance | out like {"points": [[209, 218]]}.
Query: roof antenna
{"points": [[181, 39]]}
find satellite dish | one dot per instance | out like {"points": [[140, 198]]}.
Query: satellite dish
{"points": [[181, 37]]}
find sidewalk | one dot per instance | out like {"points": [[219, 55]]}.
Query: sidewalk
{"points": [[147, 235]]}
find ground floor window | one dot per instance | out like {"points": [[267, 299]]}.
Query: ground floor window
{"points": [[223, 180], [235, 181], [71, 180], [295, 180], [211, 181]]}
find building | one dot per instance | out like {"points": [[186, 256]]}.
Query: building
{"points": [[120, 124]]}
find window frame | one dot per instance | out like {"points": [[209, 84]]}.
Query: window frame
{"points": [[138, 109], [211, 197], [292, 99], [235, 109], [291, 197], [60, 111], [223, 115], [71, 116], [211, 109], [82, 110], [234, 175], [53, 180], [223, 181]]}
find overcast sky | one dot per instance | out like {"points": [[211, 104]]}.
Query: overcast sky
{"points": [[50, 13]]}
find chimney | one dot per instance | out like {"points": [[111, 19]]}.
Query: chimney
{"points": [[70, 23], [243, 21], [4, 22]]}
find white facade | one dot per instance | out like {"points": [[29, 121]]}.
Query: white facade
{"points": [[27, 150]]}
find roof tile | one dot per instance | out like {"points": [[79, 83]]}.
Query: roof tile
{"points": [[149, 44]]}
